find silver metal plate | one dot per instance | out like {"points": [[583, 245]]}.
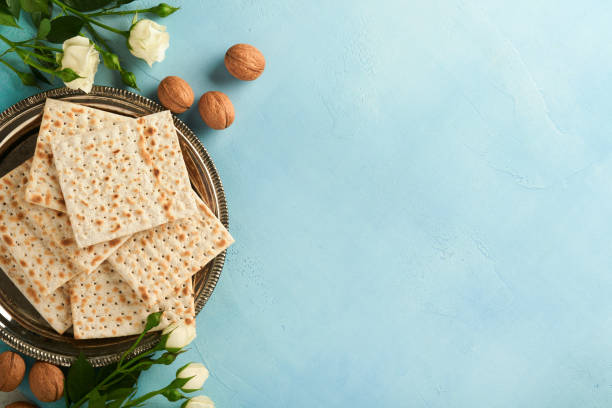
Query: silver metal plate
{"points": [[21, 327]]}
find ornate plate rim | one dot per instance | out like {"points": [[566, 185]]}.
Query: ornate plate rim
{"points": [[106, 91]]}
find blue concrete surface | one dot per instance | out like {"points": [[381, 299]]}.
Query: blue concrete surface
{"points": [[421, 194]]}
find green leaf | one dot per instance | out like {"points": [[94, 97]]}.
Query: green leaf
{"points": [[6, 18], [154, 318], [63, 28], [14, 7], [120, 3], [129, 79], [115, 403], [36, 18], [168, 358], [178, 383], [144, 364], [128, 380], [173, 395], [96, 400], [27, 78], [118, 393], [88, 5], [48, 54], [33, 6], [103, 372], [43, 28], [81, 375], [163, 9], [39, 75], [67, 75], [111, 61]]}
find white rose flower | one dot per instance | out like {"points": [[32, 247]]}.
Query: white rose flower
{"points": [[81, 56], [180, 335], [201, 401], [197, 373], [149, 41]]}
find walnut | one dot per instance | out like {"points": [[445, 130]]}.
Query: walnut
{"points": [[175, 94], [12, 371], [216, 110], [21, 404], [46, 382], [245, 62]]}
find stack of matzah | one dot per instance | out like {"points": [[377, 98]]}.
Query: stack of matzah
{"points": [[101, 227]]}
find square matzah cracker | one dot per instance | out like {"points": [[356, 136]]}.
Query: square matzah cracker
{"points": [[103, 305], [54, 227], [59, 118], [55, 309], [46, 270], [155, 262], [117, 182], [55, 230]]}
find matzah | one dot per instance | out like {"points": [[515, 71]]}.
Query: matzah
{"points": [[59, 118], [55, 230], [54, 227], [45, 270], [117, 181], [155, 262], [103, 305], [55, 309]]}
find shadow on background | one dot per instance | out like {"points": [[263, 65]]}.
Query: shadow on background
{"points": [[220, 76]]}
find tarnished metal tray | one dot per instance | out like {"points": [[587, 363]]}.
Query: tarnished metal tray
{"points": [[20, 325]]}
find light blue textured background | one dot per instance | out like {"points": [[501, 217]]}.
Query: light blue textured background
{"points": [[421, 194]]}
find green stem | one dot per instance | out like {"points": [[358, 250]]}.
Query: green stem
{"points": [[12, 68], [142, 399], [26, 60], [6, 40], [40, 57], [132, 347], [115, 381], [96, 388], [120, 370], [14, 47], [107, 379], [127, 367], [97, 36], [92, 21], [7, 51], [131, 367], [40, 47], [118, 13]]}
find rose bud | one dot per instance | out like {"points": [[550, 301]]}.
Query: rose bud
{"points": [[197, 374], [180, 335], [201, 401]]}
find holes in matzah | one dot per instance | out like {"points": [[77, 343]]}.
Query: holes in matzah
{"points": [[53, 309]]}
